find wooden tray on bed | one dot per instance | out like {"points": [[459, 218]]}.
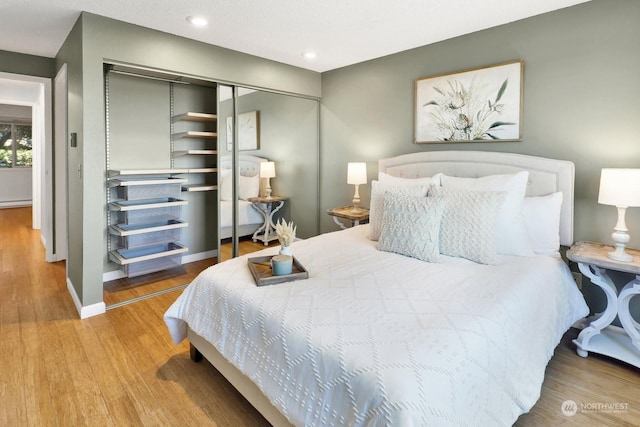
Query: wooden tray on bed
{"points": [[260, 268]]}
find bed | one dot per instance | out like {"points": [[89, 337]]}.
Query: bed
{"points": [[376, 338], [250, 185]]}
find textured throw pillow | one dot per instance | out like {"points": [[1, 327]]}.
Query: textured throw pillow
{"points": [[468, 227], [512, 235], [249, 186], [376, 205], [395, 180], [542, 219], [411, 226]]}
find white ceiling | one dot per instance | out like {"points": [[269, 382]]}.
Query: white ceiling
{"points": [[342, 32]]}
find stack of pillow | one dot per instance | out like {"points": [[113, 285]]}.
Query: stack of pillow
{"points": [[248, 186], [473, 218]]}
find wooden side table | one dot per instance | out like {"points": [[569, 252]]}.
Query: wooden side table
{"points": [[598, 336], [348, 213], [267, 206]]}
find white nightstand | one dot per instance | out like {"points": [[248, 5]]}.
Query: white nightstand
{"points": [[597, 336], [267, 206]]}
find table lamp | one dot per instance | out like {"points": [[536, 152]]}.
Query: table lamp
{"points": [[620, 188], [268, 171], [356, 175]]}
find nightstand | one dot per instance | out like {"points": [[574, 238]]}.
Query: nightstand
{"points": [[267, 206], [348, 213], [598, 336]]}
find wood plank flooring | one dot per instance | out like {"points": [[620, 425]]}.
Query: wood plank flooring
{"points": [[121, 368]]}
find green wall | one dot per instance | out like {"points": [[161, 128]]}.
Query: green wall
{"points": [[580, 104], [71, 54], [96, 40], [30, 65], [289, 137]]}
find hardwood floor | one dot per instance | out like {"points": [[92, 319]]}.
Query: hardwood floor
{"points": [[121, 368]]}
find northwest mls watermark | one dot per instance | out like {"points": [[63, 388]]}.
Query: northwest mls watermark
{"points": [[570, 408]]}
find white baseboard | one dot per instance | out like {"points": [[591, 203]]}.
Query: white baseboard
{"points": [[86, 311], [199, 256], [16, 204], [113, 275], [119, 274]]}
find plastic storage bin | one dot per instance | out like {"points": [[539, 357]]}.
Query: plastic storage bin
{"points": [[143, 235], [150, 212], [144, 189], [136, 262]]}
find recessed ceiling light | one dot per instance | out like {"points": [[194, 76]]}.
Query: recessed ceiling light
{"points": [[309, 55], [198, 21]]}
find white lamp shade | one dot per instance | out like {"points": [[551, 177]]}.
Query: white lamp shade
{"points": [[356, 173], [267, 170], [619, 187]]}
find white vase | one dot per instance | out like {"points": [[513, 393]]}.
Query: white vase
{"points": [[285, 250]]}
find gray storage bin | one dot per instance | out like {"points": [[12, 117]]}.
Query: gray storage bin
{"points": [[143, 235], [151, 189], [151, 211], [136, 262], [152, 265]]}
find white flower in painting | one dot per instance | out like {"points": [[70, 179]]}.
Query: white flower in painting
{"points": [[467, 113]]}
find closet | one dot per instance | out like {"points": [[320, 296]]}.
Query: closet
{"points": [[165, 135], [161, 171]]}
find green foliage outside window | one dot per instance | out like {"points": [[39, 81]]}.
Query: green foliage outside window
{"points": [[12, 154]]}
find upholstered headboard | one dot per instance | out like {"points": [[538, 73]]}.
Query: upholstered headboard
{"points": [[247, 165], [546, 176]]}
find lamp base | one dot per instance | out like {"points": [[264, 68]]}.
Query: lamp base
{"points": [[356, 210], [620, 254], [621, 237]]}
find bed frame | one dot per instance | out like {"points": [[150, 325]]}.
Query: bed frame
{"points": [[546, 176]]}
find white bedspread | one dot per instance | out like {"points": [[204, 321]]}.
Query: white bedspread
{"points": [[379, 339]]}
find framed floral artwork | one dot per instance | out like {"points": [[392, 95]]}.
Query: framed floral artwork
{"points": [[248, 131], [478, 105]]}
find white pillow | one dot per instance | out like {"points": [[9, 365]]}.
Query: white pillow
{"points": [[249, 187], [512, 237], [225, 184], [468, 227], [411, 226], [376, 205], [395, 180], [542, 219]]}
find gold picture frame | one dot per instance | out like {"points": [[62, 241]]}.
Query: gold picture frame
{"points": [[476, 105]]}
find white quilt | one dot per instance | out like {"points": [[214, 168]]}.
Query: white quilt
{"points": [[379, 339]]}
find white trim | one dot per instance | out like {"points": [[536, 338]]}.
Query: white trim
{"points": [[113, 275], [16, 204], [199, 256], [86, 311], [57, 186]]}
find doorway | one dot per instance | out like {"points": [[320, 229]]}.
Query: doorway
{"points": [[35, 92]]}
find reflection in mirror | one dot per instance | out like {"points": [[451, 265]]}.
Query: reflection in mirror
{"points": [[277, 129]]}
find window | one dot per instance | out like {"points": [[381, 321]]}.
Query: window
{"points": [[15, 145]]}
